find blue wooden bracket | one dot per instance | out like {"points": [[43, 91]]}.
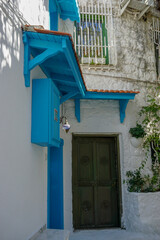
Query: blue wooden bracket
{"points": [[123, 99], [43, 57], [30, 64], [122, 107], [68, 96], [77, 109]]}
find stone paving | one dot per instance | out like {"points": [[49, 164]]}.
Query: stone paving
{"points": [[111, 234], [53, 234]]}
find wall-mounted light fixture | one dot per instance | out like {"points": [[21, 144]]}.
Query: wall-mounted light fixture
{"points": [[65, 125]]}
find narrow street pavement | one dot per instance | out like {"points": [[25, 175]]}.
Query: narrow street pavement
{"points": [[111, 234]]}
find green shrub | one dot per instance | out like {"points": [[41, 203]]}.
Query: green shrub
{"points": [[138, 131]]}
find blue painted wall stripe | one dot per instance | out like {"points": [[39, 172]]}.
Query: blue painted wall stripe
{"points": [[55, 188]]}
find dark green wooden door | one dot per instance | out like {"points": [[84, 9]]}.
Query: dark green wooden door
{"points": [[95, 178]]}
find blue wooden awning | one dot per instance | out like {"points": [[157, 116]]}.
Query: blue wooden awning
{"points": [[54, 53], [66, 9], [122, 96]]}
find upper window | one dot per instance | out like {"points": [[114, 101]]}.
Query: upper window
{"points": [[94, 36]]}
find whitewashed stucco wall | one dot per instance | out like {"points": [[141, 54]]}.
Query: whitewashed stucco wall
{"points": [[23, 166], [102, 117]]}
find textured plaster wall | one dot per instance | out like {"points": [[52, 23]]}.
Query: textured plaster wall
{"points": [[35, 12], [23, 166], [66, 26], [143, 212], [135, 70], [135, 50]]}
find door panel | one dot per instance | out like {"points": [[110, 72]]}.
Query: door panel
{"points": [[104, 203], [103, 162], [85, 162], [95, 188], [86, 206]]}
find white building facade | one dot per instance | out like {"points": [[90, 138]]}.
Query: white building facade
{"points": [[121, 60], [23, 165]]}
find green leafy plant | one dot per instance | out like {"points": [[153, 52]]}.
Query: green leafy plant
{"points": [[135, 180], [149, 129], [138, 131]]}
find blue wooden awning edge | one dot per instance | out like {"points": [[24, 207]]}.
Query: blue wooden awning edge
{"points": [[123, 99]]}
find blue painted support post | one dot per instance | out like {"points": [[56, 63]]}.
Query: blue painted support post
{"points": [[55, 188], [53, 11], [122, 108], [26, 60], [77, 109], [54, 21]]}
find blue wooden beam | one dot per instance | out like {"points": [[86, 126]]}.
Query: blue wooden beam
{"points": [[77, 109], [106, 95], [68, 89], [122, 107], [58, 69], [43, 56], [26, 60], [73, 65], [62, 76], [64, 82], [67, 96], [45, 70], [35, 43]]}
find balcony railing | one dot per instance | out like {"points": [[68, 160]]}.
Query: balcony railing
{"points": [[141, 6], [156, 31]]}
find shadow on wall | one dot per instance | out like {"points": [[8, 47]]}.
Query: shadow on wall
{"points": [[10, 37], [43, 7], [11, 20], [45, 4]]}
